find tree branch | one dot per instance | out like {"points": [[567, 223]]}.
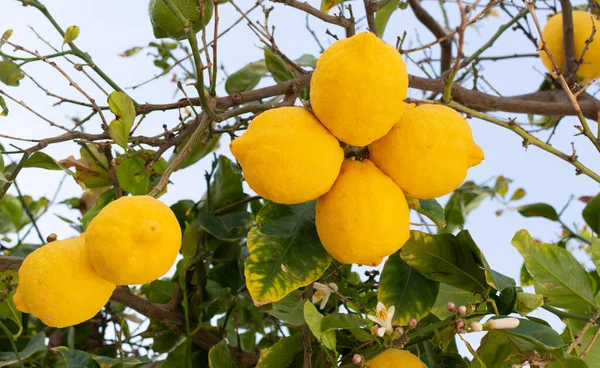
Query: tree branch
{"points": [[438, 31], [347, 24], [570, 63]]}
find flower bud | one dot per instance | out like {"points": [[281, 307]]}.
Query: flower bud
{"points": [[502, 324], [462, 310], [460, 324], [374, 330], [451, 307], [398, 331], [471, 308], [412, 323], [358, 359], [476, 326]]}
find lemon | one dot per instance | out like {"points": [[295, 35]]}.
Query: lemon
{"points": [[59, 286], [427, 153], [166, 25], [584, 24], [287, 156], [364, 217], [133, 240], [358, 87], [394, 358]]}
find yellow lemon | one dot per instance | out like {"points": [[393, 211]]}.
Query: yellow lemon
{"points": [[427, 153], [133, 240], [287, 156], [166, 25], [59, 286], [358, 87], [364, 217], [394, 358], [584, 24]]}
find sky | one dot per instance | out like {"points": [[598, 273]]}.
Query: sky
{"points": [[109, 27]]}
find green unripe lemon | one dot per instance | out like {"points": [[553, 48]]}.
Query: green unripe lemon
{"points": [[166, 25]]}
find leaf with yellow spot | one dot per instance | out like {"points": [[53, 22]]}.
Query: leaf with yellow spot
{"points": [[285, 252]]}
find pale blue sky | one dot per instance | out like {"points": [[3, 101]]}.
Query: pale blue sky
{"points": [[109, 27]]}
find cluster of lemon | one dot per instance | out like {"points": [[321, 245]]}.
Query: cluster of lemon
{"points": [[133, 240], [288, 155]]}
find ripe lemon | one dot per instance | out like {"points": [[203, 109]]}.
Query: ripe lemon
{"points": [[59, 286], [358, 87], [364, 217], [133, 240], [427, 153], [394, 358], [166, 25], [584, 24], [287, 156]]}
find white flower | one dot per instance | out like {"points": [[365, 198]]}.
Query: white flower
{"points": [[383, 317], [322, 293], [476, 326], [502, 324]]}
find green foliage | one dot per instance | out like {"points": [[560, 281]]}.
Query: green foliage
{"points": [[539, 210], [591, 214], [35, 345], [282, 353], [122, 106], [285, 251], [404, 287], [10, 74], [220, 357], [43, 161], [382, 16], [556, 273], [135, 176], [246, 78], [13, 216]]}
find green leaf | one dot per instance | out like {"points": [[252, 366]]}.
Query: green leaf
{"points": [[34, 345], [226, 187], [444, 259], [596, 253], [159, 291], [518, 194], [278, 68], [43, 161], [246, 78], [13, 216], [405, 288], [104, 199], [538, 210], [289, 309], [133, 175], [282, 353], [131, 51], [382, 16], [449, 293], [495, 279], [220, 357], [525, 277], [501, 185], [462, 202], [557, 275], [591, 214], [230, 226], [527, 303], [285, 252], [593, 356], [4, 111], [71, 34], [76, 358], [307, 60], [91, 168], [431, 209], [328, 4], [314, 321], [129, 362], [199, 150], [122, 106], [5, 36], [10, 73]]}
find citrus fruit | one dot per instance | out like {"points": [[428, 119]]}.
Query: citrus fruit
{"points": [[358, 87], [166, 25], [394, 358], [287, 156], [584, 24], [59, 286], [427, 153], [364, 217], [133, 240]]}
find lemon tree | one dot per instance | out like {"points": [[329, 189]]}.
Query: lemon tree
{"points": [[224, 194]]}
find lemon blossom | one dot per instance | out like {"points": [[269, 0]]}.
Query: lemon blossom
{"points": [[322, 293], [383, 317]]}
